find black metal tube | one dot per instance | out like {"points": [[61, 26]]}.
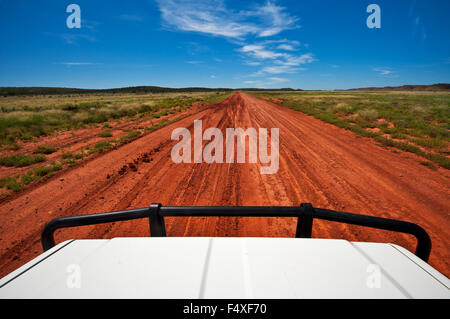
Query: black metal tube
{"points": [[85, 220], [230, 211], [306, 213], [156, 220], [305, 222], [423, 248]]}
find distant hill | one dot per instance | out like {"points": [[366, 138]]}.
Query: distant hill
{"points": [[433, 87], [10, 91], [57, 90]]}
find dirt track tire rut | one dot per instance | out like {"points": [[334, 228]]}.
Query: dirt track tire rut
{"points": [[319, 163]]}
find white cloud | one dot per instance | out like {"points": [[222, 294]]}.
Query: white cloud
{"points": [[257, 83], [252, 63], [287, 63], [286, 47], [90, 25], [275, 79], [261, 20], [282, 62], [297, 60], [70, 38], [194, 62], [280, 20], [259, 51], [383, 71], [251, 48], [278, 70], [269, 82], [418, 28], [76, 63], [212, 17]]}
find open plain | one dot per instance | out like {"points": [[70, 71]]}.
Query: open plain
{"points": [[320, 163]]}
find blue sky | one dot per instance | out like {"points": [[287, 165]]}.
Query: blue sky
{"points": [[300, 44]]}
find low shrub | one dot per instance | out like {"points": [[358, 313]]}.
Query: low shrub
{"points": [[105, 134], [20, 160], [45, 149]]}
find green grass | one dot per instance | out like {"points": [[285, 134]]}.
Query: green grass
{"points": [[26, 179], [429, 165], [130, 136], [105, 134], [101, 147], [45, 149], [79, 155], [369, 115], [43, 171], [158, 115], [20, 182], [5, 180], [70, 162], [412, 122], [20, 160], [14, 185], [28, 117], [57, 167], [66, 155]]}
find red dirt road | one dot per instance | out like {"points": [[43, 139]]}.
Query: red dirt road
{"points": [[319, 163]]}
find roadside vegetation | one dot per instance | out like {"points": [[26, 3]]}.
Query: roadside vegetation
{"points": [[20, 160], [416, 122], [45, 149], [20, 181], [26, 120]]}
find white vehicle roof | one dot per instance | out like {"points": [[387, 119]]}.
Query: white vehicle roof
{"points": [[224, 268]]}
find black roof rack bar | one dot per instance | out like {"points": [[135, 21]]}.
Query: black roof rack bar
{"points": [[305, 213]]}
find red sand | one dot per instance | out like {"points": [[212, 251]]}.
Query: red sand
{"points": [[319, 163]]}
